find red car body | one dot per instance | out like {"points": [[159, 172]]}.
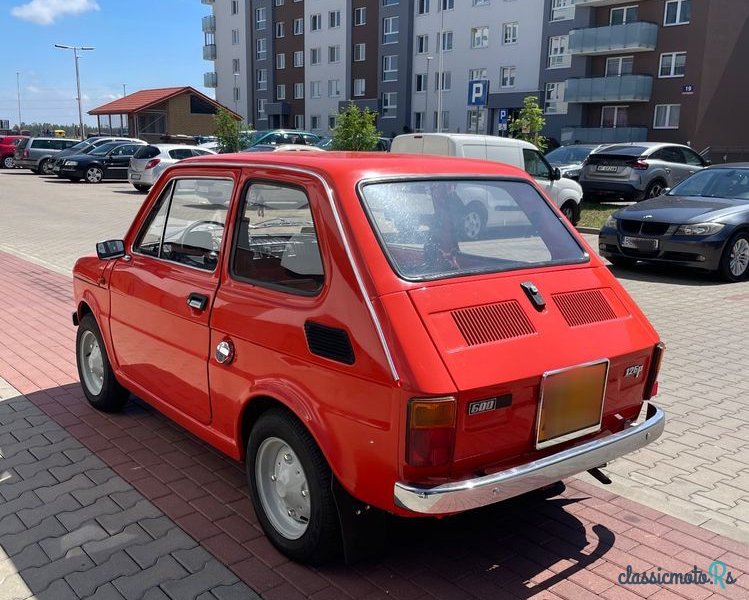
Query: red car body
{"points": [[477, 340], [7, 148]]}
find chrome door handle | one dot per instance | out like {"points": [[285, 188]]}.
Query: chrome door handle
{"points": [[225, 352], [197, 301]]}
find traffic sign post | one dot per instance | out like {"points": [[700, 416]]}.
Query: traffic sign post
{"points": [[502, 121], [478, 96]]}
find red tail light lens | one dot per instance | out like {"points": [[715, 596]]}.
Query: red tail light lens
{"points": [[152, 163], [26, 153], [638, 165], [651, 383], [431, 431]]}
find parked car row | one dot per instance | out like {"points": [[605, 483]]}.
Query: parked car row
{"points": [[8, 145]]}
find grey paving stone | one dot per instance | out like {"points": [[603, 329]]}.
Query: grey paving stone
{"points": [[48, 528], [39, 578], [57, 459], [11, 524], [30, 556], [22, 458], [9, 491], [102, 475], [77, 454], [65, 473], [44, 451], [117, 522], [57, 590], [157, 527], [238, 591], [26, 500], [175, 539], [22, 433], [78, 482], [127, 498], [74, 519], [34, 516], [134, 586], [214, 574], [11, 446], [193, 559], [206, 596], [156, 593], [101, 489], [59, 546], [86, 582], [101, 550], [106, 592]]}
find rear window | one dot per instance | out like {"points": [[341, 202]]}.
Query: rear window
{"points": [[424, 227], [147, 152], [625, 150]]}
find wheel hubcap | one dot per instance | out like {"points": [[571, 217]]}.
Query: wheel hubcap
{"points": [[739, 257], [8, 162], [93, 175], [92, 363], [282, 487], [655, 191], [472, 225]]}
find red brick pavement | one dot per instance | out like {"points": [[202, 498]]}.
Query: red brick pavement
{"points": [[573, 546]]}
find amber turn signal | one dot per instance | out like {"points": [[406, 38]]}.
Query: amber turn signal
{"points": [[434, 412]]}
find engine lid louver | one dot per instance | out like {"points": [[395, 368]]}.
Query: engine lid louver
{"points": [[584, 308], [329, 342], [492, 322]]}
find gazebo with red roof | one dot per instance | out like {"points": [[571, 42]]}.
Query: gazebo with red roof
{"points": [[158, 114]]}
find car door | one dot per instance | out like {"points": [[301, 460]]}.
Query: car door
{"points": [[538, 168], [693, 161], [115, 164], [162, 295], [673, 164]]}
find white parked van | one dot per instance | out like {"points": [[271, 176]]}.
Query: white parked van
{"points": [[565, 193]]}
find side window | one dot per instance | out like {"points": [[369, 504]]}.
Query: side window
{"points": [[276, 243], [535, 165], [195, 213], [692, 158], [121, 151], [180, 153], [669, 154], [42, 144]]}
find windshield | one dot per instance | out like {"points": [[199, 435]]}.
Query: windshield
{"points": [[715, 183], [569, 154], [104, 149], [80, 146], [426, 228]]}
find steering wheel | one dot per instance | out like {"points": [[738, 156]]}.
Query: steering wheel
{"points": [[193, 226]]}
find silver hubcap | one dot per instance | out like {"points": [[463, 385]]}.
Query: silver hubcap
{"points": [[472, 225], [8, 162], [47, 168], [93, 175], [92, 363], [282, 487], [739, 257]]}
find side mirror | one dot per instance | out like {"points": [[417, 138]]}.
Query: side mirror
{"points": [[707, 162], [110, 249], [666, 190], [556, 174]]}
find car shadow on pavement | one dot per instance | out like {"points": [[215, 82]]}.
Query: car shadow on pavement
{"points": [[131, 192], [666, 274]]}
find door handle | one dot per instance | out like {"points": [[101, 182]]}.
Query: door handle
{"points": [[667, 170], [197, 301]]}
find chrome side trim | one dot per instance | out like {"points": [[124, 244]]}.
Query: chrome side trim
{"points": [[472, 493]]}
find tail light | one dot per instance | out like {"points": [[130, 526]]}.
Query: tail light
{"points": [[431, 431], [152, 163], [638, 164], [651, 383], [25, 152]]}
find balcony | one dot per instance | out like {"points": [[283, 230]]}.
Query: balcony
{"points": [[209, 52], [603, 135], [596, 3], [210, 79], [209, 24], [628, 37], [627, 88]]}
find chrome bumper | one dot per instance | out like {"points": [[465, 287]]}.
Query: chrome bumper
{"points": [[464, 495]]}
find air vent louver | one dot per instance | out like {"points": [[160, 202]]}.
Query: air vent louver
{"points": [[584, 308], [329, 342], [492, 322]]}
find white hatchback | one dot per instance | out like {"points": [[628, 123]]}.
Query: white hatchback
{"points": [[150, 161]]}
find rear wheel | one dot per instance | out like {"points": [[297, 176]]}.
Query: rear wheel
{"points": [[94, 175], [571, 210], [8, 162], [141, 188], [46, 167], [655, 189], [734, 264], [94, 370]]}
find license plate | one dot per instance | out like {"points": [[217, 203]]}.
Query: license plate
{"points": [[607, 168], [639, 243], [135, 176], [571, 403], [56, 169]]}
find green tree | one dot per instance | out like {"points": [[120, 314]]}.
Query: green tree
{"points": [[227, 131], [529, 123], [356, 129]]}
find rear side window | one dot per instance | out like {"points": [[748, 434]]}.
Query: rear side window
{"points": [[67, 144], [146, 152], [180, 153], [668, 154], [42, 144]]}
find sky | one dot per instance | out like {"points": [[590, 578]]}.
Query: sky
{"points": [[139, 43]]}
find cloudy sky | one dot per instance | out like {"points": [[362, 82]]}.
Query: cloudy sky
{"points": [[139, 43]]}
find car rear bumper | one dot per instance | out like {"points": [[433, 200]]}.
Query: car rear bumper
{"points": [[481, 491], [141, 177], [610, 188]]}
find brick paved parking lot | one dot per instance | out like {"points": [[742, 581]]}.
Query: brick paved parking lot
{"points": [[131, 506]]}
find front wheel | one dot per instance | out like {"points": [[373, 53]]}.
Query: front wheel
{"points": [[94, 175], [734, 263], [101, 388], [474, 222], [46, 167], [571, 210], [8, 162], [141, 188], [290, 485]]}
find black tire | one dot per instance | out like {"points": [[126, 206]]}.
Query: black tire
{"points": [[622, 261], [736, 251], [34, 171], [141, 188], [321, 541], [571, 210], [112, 396], [655, 189], [8, 162], [473, 221], [45, 167], [94, 175], [74, 179]]}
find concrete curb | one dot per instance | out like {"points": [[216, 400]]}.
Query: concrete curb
{"points": [[588, 230]]}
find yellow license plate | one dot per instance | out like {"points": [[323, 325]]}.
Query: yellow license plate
{"points": [[571, 403]]}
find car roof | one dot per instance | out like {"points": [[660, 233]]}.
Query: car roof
{"points": [[173, 146], [649, 146], [55, 138]]}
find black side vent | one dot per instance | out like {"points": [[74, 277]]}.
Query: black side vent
{"points": [[329, 342]]}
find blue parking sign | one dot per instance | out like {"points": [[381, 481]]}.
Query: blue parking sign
{"points": [[478, 92]]}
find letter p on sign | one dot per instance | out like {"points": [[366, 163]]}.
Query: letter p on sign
{"points": [[477, 89]]}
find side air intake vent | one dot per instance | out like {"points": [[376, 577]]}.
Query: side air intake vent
{"points": [[329, 342], [492, 322], [583, 308]]}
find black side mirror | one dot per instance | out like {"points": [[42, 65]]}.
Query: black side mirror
{"points": [[556, 174], [110, 249], [707, 162], [666, 190]]}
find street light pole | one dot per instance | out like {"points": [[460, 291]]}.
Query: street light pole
{"points": [[18, 92], [441, 74], [236, 92], [77, 81], [122, 120], [426, 97]]}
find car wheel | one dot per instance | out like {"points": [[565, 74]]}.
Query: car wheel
{"points": [[94, 370], [655, 189], [290, 485], [734, 264], [141, 188], [8, 162], [46, 167], [571, 210], [621, 261], [94, 175], [474, 221]]}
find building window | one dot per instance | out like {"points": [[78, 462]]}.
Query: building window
{"points": [[280, 30], [236, 94], [555, 104], [261, 107], [507, 77], [314, 122], [262, 79], [234, 66], [447, 4], [298, 121], [477, 74], [389, 2], [235, 37], [279, 2], [444, 81], [445, 120], [389, 104], [666, 116], [562, 10], [390, 30], [234, 7], [261, 49], [299, 58], [390, 68], [334, 19], [260, 18], [315, 56], [422, 44], [479, 37], [624, 14], [559, 57], [334, 88], [614, 116], [314, 89], [360, 52], [616, 66], [673, 64], [281, 92], [422, 7], [360, 16], [299, 26], [510, 33], [210, 39], [418, 122], [332, 121], [476, 121], [677, 12], [280, 61], [481, 2], [315, 22], [334, 54], [421, 82], [446, 39], [359, 87], [298, 91]]}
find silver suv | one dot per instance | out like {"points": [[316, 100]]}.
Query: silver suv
{"points": [[639, 170], [38, 153]]}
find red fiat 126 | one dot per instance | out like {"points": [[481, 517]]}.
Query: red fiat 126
{"points": [[320, 317]]}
